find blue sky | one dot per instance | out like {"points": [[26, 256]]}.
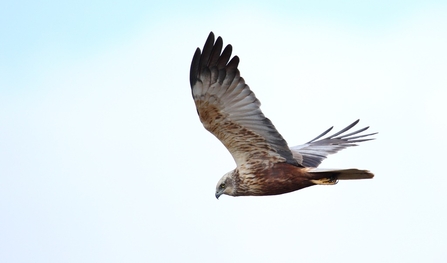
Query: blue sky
{"points": [[103, 157]]}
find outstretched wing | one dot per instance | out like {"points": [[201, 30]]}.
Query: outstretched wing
{"points": [[311, 154], [229, 109]]}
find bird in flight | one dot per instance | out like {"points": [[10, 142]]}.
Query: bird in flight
{"points": [[265, 163]]}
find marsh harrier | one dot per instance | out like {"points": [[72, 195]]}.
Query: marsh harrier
{"points": [[265, 163]]}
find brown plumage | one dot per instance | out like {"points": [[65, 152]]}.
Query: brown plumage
{"points": [[265, 164]]}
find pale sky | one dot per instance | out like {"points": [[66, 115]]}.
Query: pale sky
{"points": [[103, 157]]}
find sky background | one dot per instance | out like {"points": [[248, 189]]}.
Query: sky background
{"points": [[103, 157]]}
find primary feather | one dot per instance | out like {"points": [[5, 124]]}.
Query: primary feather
{"points": [[312, 153]]}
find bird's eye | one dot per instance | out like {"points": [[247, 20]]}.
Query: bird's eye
{"points": [[222, 186]]}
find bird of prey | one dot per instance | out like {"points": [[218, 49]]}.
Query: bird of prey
{"points": [[265, 163]]}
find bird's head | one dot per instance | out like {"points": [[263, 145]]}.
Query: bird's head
{"points": [[226, 185]]}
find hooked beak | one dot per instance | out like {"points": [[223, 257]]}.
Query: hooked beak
{"points": [[218, 194]]}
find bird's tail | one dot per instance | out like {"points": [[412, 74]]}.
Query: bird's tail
{"points": [[331, 176]]}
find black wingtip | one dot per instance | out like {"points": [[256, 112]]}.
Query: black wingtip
{"points": [[224, 57], [212, 54], [194, 67], [208, 47], [195, 64], [234, 62]]}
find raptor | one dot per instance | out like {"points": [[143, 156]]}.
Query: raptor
{"points": [[265, 164]]}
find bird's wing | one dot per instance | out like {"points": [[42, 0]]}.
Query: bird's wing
{"points": [[229, 109], [311, 154]]}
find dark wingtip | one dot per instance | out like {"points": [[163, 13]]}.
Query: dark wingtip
{"points": [[194, 67], [321, 135], [210, 38], [234, 62], [340, 135]]}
